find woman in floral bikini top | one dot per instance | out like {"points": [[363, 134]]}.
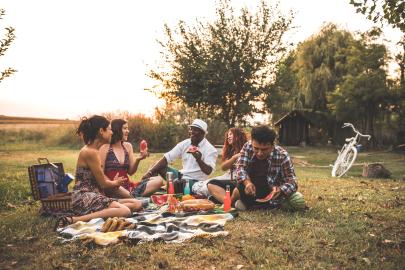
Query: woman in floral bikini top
{"points": [[88, 198], [118, 159]]}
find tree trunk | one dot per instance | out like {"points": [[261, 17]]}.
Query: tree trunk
{"points": [[370, 116], [401, 64]]}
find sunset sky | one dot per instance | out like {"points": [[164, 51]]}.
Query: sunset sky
{"points": [[81, 57]]}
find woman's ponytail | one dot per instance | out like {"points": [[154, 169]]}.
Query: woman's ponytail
{"points": [[89, 127]]}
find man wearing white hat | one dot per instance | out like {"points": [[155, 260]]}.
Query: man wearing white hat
{"points": [[198, 157]]}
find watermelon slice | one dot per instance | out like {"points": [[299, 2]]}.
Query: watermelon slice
{"points": [[267, 198], [143, 145], [192, 149], [159, 199]]}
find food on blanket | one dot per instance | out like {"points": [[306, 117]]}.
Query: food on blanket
{"points": [[197, 205], [106, 225], [117, 224], [114, 225], [173, 204], [159, 199], [122, 224], [192, 149], [187, 197], [128, 224], [131, 227]]}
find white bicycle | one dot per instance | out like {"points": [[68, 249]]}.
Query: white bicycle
{"points": [[347, 155]]}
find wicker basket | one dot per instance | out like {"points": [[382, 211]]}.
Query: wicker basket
{"points": [[58, 203], [45, 191]]}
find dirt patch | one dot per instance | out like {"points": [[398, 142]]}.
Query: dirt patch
{"points": [[301, 162]]}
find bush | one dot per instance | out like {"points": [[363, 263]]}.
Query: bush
{"points": [[165, 134], [54, 136], [22, 135], [64, 136], [161, 136], [216, 132]]}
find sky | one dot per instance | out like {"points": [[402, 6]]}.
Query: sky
{"points": [[83, 57]]}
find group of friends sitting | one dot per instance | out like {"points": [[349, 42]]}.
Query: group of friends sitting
{"points": [[259, 173]]}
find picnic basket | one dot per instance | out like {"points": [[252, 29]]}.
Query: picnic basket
{"points": [[46, 179]]}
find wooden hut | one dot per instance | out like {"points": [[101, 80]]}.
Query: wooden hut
{"points": [[302, 127]]}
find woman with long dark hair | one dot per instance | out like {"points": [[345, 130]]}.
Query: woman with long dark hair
{"points": [[118, 157], [234, 140], [88, 198]]}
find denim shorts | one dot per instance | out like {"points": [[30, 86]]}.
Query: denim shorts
{"points": [[139, 189]]}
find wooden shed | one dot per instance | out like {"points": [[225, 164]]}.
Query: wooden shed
{"points": [[302, 127]]}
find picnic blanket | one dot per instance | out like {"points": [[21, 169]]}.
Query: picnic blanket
{"points": [[151, 226]]}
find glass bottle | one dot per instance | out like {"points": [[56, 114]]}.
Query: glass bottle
{"points": [[187, 187], [227, 199], [169, 178]]}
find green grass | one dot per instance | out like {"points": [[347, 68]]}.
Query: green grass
{"points": [[348, 225]]}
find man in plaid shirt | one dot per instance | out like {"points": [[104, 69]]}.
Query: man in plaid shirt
{"points": [[264, 171]]}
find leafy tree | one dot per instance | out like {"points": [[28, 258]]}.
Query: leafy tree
{"points": [[320, 64], [390, 11], [5, 45], [283, 95], [222, 68], [362, 94], [180, 116]]}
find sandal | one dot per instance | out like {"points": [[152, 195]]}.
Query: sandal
{"points": [[62, 222]]}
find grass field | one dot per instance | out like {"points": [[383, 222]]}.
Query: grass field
{"points": [[353, 223], [15, 120]]}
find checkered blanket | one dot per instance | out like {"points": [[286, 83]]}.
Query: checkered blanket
{"points": [[151, 226]]}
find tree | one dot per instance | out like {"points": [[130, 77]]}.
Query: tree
{"points": [[320, 64], [390, 11], [222, 68], [393, 13], [5, 45], [283, 95], [362, 94]]}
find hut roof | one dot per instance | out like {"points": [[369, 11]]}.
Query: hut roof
{"points": [[314, 118]]}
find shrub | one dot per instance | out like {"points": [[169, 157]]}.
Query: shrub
{"points": [[64, 136], [22, 135]]}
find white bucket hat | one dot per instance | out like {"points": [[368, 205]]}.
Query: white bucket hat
{"points": [[198, 123]]}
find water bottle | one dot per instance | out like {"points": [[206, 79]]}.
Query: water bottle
{"points": [[187, 188], [227, 199]]}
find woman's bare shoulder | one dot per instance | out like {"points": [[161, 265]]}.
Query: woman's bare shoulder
{"points": [[87, 152], [104, 147]]}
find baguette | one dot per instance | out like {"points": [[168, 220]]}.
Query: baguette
{"points": [[196, 205], [131, 227], [113, 225], [106, 225], [123, 224]]}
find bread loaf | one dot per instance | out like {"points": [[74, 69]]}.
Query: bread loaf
{"points": [[106, 225], [196, 205]]}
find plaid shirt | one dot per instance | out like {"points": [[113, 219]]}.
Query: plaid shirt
{"points": [[280, 173]]}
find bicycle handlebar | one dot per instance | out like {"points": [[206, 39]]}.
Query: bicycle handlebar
{"points": [[355, 130]]}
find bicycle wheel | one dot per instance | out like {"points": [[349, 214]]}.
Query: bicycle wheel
{"points": [[344, 161]]}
